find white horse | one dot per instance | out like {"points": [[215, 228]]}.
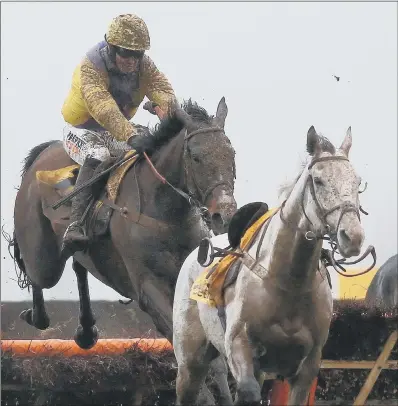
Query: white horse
{"points": [[278, 312]]}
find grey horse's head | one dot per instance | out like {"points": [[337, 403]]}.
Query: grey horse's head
{"points": [[334, 200]]}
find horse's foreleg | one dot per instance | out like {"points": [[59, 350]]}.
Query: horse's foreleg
{"points": [[219, 369], [193, 353], [154, 299], [240, 359], [86, 334], [37, 315], [300, 384], [190, 386]]}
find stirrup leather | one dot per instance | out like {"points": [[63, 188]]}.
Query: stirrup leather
{"points": [[76, 224]]}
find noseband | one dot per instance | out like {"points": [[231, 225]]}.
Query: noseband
{"points": [[190, 173], [345, 207]]}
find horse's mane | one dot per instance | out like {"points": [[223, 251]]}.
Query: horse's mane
{"points": [[286, 189], [171, 126]]}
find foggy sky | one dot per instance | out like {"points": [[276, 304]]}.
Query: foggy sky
{"points": [[273, 62]]}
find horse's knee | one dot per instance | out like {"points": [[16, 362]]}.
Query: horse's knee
{"points": [[46, 278], [218, 362], [50, 281]]}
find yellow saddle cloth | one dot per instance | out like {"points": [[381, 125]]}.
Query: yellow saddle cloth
{"points": [[209, 288]]}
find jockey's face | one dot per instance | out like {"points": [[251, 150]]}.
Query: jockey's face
{"points": [[127, 60]]}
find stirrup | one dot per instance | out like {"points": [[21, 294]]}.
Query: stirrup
{"points": [[206, 245]]}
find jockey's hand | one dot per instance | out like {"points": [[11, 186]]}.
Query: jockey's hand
{"points": [[150, 106], [141, 140]]}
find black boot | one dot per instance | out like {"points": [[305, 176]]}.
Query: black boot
{"points": [[75, 238]]}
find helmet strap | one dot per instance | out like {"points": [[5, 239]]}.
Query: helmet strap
{"points": [[112, 51]]}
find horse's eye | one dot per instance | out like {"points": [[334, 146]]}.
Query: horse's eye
{"points": [[318, 181]]}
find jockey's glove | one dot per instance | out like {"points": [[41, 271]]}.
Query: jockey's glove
{"points": [[141, 140], [150, 106]]}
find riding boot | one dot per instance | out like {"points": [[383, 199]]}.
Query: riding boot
{"points": [[75, 238]]}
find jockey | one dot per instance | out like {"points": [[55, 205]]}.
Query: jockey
{"points": [[107, 88]]}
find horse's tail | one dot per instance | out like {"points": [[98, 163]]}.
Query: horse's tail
{"points": [[23, 279], [33, 154]]}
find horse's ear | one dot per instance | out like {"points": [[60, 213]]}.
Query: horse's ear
{"points": [[347, 142], [313, 142], [222, 111]]}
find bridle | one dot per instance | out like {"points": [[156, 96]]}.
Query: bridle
{"points": [[190, 173], [327, 235], [344, 207], [197, 197]]}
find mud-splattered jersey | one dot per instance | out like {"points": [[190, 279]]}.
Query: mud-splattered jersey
{"points": [[101, 97]]}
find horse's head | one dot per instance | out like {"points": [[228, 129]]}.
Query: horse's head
{"points": [[209, 160], [332, 204]]}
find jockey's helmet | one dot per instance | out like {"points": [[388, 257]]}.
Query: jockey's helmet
{"points": [[128, 31]]}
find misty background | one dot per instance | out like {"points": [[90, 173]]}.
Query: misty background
{"points": [[274, 63]]}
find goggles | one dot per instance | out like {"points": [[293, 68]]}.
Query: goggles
{"points": [[128, 53]]}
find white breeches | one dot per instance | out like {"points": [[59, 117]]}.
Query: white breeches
{"points": [[80, 143]]}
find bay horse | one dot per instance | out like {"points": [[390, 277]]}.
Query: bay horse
{"points": [[139, 262], [279, 309]]}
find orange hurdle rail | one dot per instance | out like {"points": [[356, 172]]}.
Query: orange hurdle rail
{"points": [[68, 348]]}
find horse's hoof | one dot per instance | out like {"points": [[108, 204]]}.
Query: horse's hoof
{"points": [[86, 338], [32, 319]]}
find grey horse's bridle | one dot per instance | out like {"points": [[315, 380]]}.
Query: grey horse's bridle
{"points": [[345, 207]]}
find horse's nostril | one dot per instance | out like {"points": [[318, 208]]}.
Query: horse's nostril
{"points": [[344, 236]]}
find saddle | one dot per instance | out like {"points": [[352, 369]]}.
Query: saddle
{"points": [[62, 181], [244, 217]]}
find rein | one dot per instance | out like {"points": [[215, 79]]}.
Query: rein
{"points": [[190, 196], [165, 181], [90, 182]]}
